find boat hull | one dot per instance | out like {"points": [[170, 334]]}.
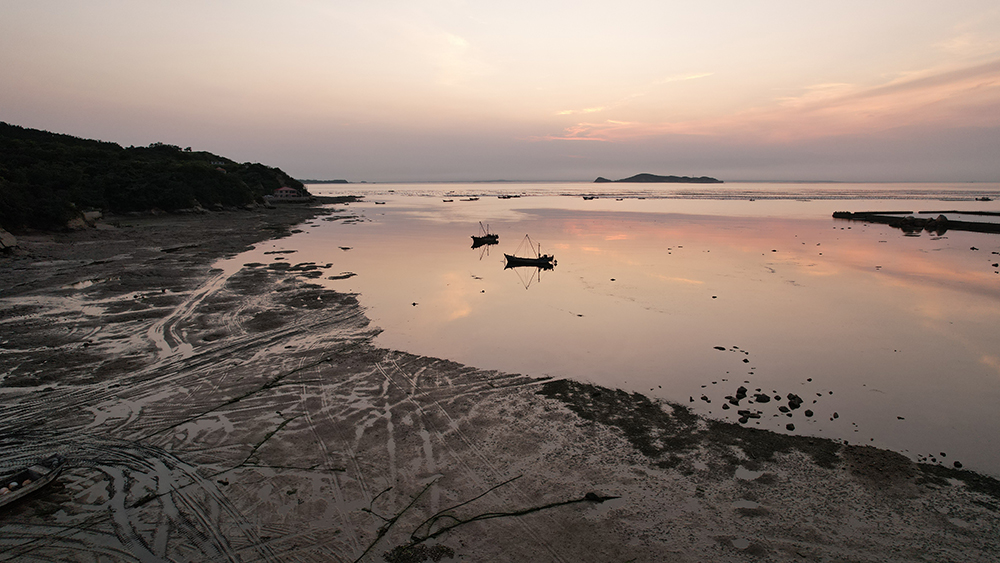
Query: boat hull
{"points": [[38, 476], [544, 262]]}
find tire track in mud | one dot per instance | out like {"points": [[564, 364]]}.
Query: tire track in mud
{"points": [[185, 515], [454, 427], [164, 334], [149, 495]]}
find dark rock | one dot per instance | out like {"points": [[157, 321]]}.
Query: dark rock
{"points": [[794, 401], [7, 241], [790, 426], [808, 412], [762, 398]]}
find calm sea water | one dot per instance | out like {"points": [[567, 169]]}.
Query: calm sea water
{"points": [[889, 340]]}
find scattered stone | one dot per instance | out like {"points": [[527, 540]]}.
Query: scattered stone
{"points": [[794, 401], [7, 241], [808, 412], [762, 398], [790, 426]]}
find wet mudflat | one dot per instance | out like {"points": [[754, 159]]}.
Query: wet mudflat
{"points": [[833, 328], [246, 414]]}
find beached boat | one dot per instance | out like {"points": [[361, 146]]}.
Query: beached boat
{"points": [[539, 260], [28, 480]]}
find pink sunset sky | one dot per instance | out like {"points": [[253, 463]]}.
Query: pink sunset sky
{"points": [[423, 90]]}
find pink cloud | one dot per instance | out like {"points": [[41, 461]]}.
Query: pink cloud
{"points": [[951, 98]]}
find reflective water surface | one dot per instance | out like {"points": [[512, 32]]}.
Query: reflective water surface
{"points": [[887, 339]]}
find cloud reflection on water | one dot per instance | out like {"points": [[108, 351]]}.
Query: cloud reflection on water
{"points": [[640, 298]]}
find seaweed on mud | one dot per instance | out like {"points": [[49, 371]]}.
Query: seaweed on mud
{"points": [[880, 468], [975, 482], [662, 436], [649, 428], [763, 444]]}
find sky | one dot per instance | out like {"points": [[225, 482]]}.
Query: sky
{"points": [[453, 90]]}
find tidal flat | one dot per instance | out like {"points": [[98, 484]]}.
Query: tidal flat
{"points": [[222, 402]]}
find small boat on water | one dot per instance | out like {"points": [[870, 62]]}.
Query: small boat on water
{"points": [[544, 261], [485, 237], [984, 198], [22, 483], [539, 260]]}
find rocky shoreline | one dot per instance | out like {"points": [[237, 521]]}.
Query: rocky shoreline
{"points": [[247, 415]]}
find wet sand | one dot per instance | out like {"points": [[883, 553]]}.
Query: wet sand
{"points": [[246, 415]]}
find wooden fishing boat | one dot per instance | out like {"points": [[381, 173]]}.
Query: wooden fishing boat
{"points": [[539, 260], [545, 261], [485, 237], [28, 480]]}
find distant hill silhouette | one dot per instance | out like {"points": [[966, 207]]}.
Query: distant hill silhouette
{"points": [[653, 178], [47, 179]]}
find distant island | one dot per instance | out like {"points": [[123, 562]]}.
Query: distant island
{"points": [[654, 179]]}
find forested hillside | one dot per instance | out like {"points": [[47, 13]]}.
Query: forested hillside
{"points": [[46, 179]]}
